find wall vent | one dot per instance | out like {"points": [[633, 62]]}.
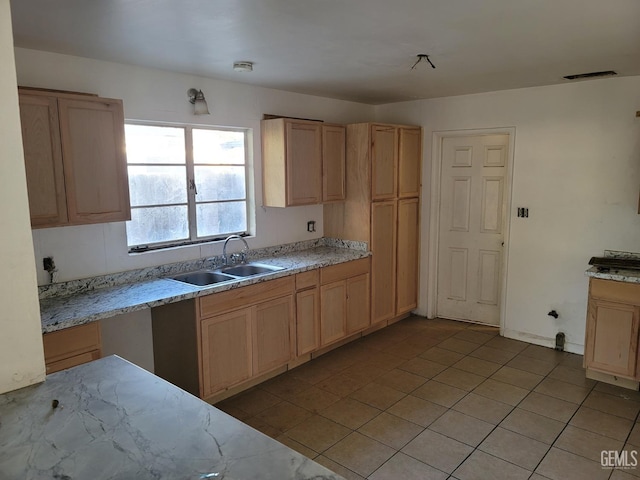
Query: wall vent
{"points": [[580, 76]]}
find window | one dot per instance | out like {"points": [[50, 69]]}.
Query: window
{"points": [[187, 184]]}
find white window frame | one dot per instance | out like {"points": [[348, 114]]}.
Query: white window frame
{"points": [[192, 188]]}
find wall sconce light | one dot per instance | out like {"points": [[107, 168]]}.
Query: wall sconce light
{"points": [[196, 97]]}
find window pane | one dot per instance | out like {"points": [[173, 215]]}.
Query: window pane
{"points": [[218, 146], [154, 185], [150, 144], [221, 218], [157, 224], [219, 183]]}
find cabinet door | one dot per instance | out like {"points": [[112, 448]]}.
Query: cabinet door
{"points": [[384, 162], [612, 337], [333, 163], [304, 163], [333, 312], [43, 160], [271, 334], [226, 350], [307, 321], [409, 161], [383, 261], [408, 255], [95, 164], [358, 303]]}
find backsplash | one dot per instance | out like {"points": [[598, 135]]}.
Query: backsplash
{"points": [[618, 254]]}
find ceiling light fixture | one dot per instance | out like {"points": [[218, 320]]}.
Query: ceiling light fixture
{"points": [[243, 66], [196, 97], [422, 57]]}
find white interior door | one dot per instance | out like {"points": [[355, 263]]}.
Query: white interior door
{"points": [[471, 229]]}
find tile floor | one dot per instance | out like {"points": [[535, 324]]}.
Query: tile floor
{"points": [[437, 399]]}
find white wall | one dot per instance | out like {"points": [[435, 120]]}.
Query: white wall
{"points": [[156, 95], [21, 354], [577, 169]]}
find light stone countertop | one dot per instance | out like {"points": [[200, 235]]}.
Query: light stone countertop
{"points": [[115, 420], [89, 303], [618, 275]]}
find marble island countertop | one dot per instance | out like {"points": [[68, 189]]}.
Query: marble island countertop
{"points": [[80, 302], [115, 420]]}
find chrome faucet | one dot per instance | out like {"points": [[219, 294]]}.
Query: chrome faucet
{"points": [[234, 256]]}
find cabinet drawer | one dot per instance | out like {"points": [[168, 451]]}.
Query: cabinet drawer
{"points": [[243, 296], [615, 291], [343, 271], [73, 361], [307, 279], [70, 342]]}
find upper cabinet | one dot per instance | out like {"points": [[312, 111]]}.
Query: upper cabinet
{"points": [[302, 162], [75, 158]]}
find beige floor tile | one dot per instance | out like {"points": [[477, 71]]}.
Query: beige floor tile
{"points": [[477, 366], [312, 372], [263, 427], [507, 344], [350, 413], [405, 350], [543, 353], [459, 379], [572, 360], [341, 385], [532, 365], [385, 361], [483, 408], [422, 367], [442, 356], [515, 448], [621, 475], [423, 340], [401, 380], [337, 468], [229, 408], [537, 476], [360, 454], [417, 410], [561, 465], [393, 431], [297, 446], [617, 391], [602, 423], [562, 390], [634, 437], [284, 415], [254, 401], [549, 406], [460, 346], [493, 354], [404, 467], [482, 466], [314, 399], [377, 396], [318, 433], [532, 425], [364, 373], [501, 392], [439, 393], [285, 385], [631, 452], [462, 427], [576, 376], [586, 444], [440, 452], [473, 336], [516, 377], [614, 405]]}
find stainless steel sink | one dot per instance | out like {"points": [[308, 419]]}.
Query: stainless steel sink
{"points": [[203, 278], [250, 269]]}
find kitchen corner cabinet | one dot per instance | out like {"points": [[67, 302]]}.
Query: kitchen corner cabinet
{"points": [[613, 320], [302, 162], [75, 158], [72, 346]]}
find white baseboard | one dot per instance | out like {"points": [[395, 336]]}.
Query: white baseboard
{"points": [[543, 341]]}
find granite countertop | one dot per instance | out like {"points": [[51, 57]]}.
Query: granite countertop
{"points": [[616, 274], [82, 302], [115, 420]]}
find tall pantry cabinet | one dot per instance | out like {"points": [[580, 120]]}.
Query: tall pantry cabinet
{"points": [[382, 207]]}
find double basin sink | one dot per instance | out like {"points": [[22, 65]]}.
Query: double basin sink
{"points": [[203, 278]]}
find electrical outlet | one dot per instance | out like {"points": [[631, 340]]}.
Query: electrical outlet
{"points": [[48, 264], [523, 212], [311, 226]]}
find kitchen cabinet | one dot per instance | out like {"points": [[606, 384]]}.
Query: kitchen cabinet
{"points": [[302, 162], [613, 320], [72, 346], [75, 158], [307, 312], [382, 208]]}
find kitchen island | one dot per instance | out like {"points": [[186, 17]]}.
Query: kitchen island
{"points": [[109, 419]]}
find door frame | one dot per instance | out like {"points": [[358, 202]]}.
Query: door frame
{"points": [[434, 218]]}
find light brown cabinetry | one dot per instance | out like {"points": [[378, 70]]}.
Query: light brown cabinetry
{"points": [[72, 346], [382, 207], [307, 312], [302, 162], [613, 321], [75, 158]]}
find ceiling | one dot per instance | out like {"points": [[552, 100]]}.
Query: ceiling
{"points": [[360, 50]]}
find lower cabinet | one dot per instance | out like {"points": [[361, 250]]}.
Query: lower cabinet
{"points": [[307, 312], [72, 346]]}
